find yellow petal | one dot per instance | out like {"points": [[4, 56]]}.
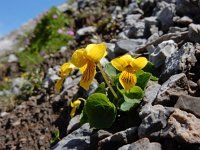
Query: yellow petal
{"points": [[82, 69], [88, 75], [96, 52], [139, 63], [77, 103], [66, 68], [122, 62], [73, 111], [79, 58], [127, 80], [74, 106], [58, 84]]}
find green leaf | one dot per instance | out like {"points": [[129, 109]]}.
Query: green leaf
{"points": [[111, 70], [132, 98], [55, 136], [57, 133], [142, 78], [126, 106], [151, 69], [154, 78], [101, 88], [134, 94], [100, 111]]}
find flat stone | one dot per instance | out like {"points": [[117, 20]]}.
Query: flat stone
{"points": [[125, 46], [83, 138], [142, 144], [79, 139], [176, 84], [176, 29], [86, 30], [185, 20], [189, 103], [118, 139], [151, 92]]}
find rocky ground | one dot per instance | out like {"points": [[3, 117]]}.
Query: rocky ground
{"points": [[166, 32]]}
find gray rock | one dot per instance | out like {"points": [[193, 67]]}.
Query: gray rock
{"points": [[86, 30], [81, 139], [154, 119], [152, 38], [189, 104], [185, 20], [118, 139], [123, 35], [149, 21], [78, 139], [74, 124], [124, 46], [194, 32], [151, 24], [181, 60], [12, 58], [134, 9], [18, 85], [3, 114], [110, 50], [151, 92], [165, 15], [137, 30], [142, 144], [184, 127], [176, 84], [176, 29], [131, 19], [186, 8], [163, 50], [51, 77]]}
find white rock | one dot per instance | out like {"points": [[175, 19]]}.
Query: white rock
{"points": [[12, 58]]}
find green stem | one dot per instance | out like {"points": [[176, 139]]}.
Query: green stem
{"points": [[106, 79]]}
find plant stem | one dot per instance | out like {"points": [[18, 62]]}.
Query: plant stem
{"points": [[82, 99], [106, 79]]}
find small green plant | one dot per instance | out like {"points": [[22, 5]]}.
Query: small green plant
{"points": [[5, 84], [126, 78], [52, 32], [139, 1], [55, 136]]}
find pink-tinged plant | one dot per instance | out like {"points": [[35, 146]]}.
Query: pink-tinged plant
{"points": [[70, 32], [60, 31], [55, 16]]}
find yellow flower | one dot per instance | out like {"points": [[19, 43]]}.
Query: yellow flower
{"points": [[74, 106], [24, 75], [65, 70], [129, 66], [86, 59], [6, 79]]}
